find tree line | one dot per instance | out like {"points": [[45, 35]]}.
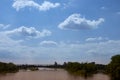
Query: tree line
{"points": [[8, 67], [86, 69], [112, 69]]}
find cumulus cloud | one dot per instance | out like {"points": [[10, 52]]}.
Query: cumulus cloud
{"points": [[3, 26], [5, 41], [30, 32], [48, 43], [76, 22], [96, 39], [46, 5]]}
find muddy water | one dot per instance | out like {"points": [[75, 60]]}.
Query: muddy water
{"points": [[47, 74]]}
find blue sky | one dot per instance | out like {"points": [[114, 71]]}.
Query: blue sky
{"points": [[45, 31]]}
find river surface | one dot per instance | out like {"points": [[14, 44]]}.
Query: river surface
{"points": [[49, 74]]}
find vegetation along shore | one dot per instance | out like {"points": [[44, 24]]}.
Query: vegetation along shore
{"points": [[75, 68]]}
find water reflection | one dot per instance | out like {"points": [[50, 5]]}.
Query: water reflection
{"points": [[49, 74]]}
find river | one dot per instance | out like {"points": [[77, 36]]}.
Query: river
{"points": [[49, 74]]}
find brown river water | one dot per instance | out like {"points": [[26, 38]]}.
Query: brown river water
{"points": [[49, 74]]}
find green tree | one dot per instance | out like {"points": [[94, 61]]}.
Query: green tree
{"points": [[81, 68], [113, 68], [8, 67]]}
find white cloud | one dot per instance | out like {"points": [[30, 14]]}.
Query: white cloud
{"points": [[48, 43], [96, 39], [46, 5], [76, 22], [5, 41], [3, 26], [26, 32]]}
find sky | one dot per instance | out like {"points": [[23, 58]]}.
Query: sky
{"points": [[45, 31]]}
